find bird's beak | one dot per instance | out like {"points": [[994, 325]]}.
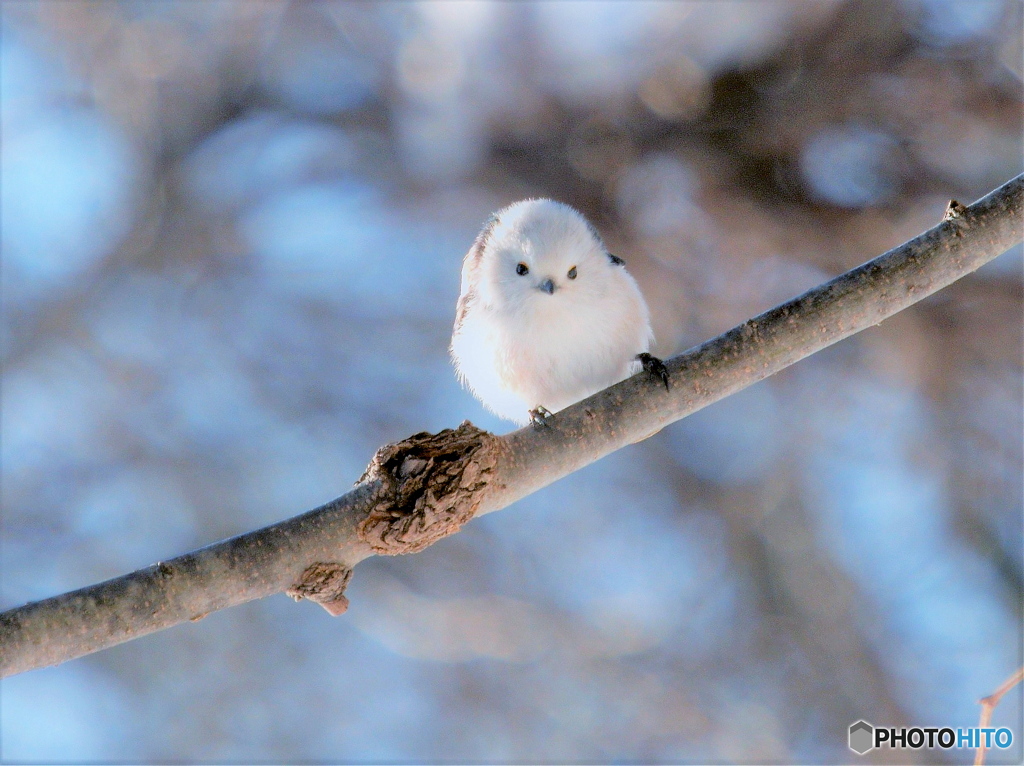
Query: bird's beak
{"points": [[547, 286]]}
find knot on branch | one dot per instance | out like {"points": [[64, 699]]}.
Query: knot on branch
{"points": [[430, 487], [325, 584]]}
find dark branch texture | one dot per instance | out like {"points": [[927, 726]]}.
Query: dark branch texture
{"points": [[419, 490]]}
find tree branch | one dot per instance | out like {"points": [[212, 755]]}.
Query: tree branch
{"points": [[421, 489], [988, 704]]}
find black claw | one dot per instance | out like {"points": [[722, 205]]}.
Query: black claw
{"points": [[654, 366], [539, 416]]}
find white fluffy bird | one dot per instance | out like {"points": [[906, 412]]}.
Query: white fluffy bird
{"points": [[547, 316]]}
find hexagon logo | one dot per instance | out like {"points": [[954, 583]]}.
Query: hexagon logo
{"points": [[862, 737]]}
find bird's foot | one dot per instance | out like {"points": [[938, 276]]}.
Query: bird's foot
{"points": [[654, 366], [539, 416]]}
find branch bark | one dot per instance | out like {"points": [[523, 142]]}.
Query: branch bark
{"points": [[421, 489]]}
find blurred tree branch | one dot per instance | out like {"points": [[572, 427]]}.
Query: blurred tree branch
{"points": [[425, 487], [988, 704]]}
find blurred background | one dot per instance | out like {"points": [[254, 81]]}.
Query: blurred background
{"points": [[232, 236]]}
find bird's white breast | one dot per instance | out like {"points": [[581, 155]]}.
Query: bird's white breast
{"points": [[556, 352]]}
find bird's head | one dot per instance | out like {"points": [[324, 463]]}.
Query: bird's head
{"points": [[539, 256]]}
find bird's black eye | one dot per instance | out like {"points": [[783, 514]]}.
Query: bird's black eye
{"points": [[522, 269], [572, 273]]}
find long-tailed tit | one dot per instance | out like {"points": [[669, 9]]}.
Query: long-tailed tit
{"points": [[547, 316]]}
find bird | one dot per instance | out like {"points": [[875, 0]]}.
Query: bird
{"points": [[546, 315]]}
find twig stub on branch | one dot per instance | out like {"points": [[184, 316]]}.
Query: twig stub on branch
{"points": [[954, 210], [430, 485], [325, 584]]}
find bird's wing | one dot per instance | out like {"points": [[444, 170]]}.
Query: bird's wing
{"points": [[471, 272]]}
